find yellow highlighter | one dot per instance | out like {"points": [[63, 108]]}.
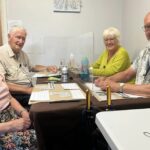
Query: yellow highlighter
{"points": [[53, 79]]}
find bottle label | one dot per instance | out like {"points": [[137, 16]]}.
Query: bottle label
{"points": [[64, 74], [84, 75]]}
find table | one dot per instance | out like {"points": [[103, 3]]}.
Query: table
{"points": [[119, 104], [125, 129], [59, 125], [122, 104]]}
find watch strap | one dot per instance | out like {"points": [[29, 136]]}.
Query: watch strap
{"points": [[121, 87]]}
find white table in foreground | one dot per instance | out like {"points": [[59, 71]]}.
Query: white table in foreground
{"points": [[125, 129]]}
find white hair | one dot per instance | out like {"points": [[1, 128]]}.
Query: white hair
{"points": [[13, 29], [113, 32]]}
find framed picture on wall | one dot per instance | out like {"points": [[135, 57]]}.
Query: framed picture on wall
{"points": [[66, 6]]}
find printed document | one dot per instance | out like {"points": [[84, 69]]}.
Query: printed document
{"points": [[77, 94], [40, 96], [70, 86]]}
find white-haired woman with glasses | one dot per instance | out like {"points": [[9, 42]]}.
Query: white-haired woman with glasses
{"points": [[114, 59]]}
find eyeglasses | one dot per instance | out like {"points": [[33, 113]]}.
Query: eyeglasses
{"points": [[111, 40], [146, 27]]}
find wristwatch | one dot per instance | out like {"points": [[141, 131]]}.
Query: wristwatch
{"points": [[121, 87]]}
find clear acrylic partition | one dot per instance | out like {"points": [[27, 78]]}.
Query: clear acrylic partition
{"points": [[64, 51], [58, 50], [79, 47]]}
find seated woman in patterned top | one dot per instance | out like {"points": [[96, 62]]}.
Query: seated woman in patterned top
{"points": [[14, 123], [114, 59]]}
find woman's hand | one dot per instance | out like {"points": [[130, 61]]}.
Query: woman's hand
{"points": [[25, 116], [18, 125], [113, 85], [98, 80]]}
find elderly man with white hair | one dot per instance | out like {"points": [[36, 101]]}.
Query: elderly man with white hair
{"points": [[15, 64], [140, 68]]}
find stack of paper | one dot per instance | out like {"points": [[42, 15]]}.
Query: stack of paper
{"points": [[60, 92], [102, 96]]}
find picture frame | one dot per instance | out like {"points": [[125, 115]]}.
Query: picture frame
{"points": [[66, 6]]}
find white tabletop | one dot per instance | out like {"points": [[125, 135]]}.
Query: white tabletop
{"points": [[125, 129]]}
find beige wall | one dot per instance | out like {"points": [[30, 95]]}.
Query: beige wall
{"points": [[3, 22], [42, 24], [0, 29]]}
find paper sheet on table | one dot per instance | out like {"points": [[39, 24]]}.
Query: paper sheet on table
{"points": [[70, 86], [40, 96], [92, 87], [101, 96], [77, 94]]}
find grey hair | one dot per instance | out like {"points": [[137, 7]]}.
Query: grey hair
{"points": [[114, 32], [13, 29]]}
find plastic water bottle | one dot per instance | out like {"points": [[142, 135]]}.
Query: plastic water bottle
{"points": [[64, 74], [84, 74], [62, 63], [72, 62]]}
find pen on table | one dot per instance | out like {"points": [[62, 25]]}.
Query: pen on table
{"points": [[101, 93], [88, 99]]}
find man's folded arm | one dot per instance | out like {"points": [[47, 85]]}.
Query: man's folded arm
{"points": [[15, 88], [123, 76], [143, 90]]}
